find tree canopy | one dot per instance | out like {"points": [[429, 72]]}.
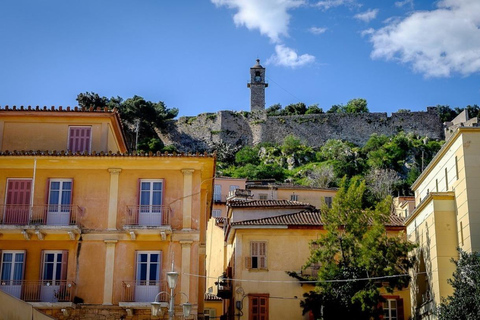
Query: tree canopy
{"points": [[356, 257], [464, 304], [141, 118]]}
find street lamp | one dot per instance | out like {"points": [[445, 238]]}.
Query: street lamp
{"points": [[172, 278]]}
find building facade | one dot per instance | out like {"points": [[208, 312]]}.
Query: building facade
{"points": [[86, 226], [262, 240], [446, 217]]}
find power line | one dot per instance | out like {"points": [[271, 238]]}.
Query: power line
{"points": [[307, 281], [270, 79]]}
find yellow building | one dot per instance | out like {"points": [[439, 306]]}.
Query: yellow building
{"points": [[270, 190], [447, 216], [87, 226], [263, 240], [222, 187]]}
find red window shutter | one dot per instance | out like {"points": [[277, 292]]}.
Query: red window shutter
{"points": [[19, 191], [79, 140], [400, 313], [63, 273]]}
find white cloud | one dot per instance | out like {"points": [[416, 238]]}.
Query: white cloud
{"points": [[287, 57], [316, 30], [367, 32], [400, 4], [436, 43], [270, 17], [327, 4], [367, 16]]}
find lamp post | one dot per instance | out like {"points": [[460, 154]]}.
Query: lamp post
{"points": [[172, 278]]}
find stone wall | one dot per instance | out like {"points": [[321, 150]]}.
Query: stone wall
{"points": [[244, 128]]}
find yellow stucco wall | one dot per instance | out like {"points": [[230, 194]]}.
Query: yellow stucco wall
{"points": [[102, 251], [37, 131]]}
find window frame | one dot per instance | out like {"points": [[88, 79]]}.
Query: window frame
{"points": [[11, 277], [74, 143], [256, 260]]}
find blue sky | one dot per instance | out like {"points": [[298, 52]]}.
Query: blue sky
{"points": [[195, 55]]}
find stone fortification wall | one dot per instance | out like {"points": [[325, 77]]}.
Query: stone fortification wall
{"points": [[243, 128]]}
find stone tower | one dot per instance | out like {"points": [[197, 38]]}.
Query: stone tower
{"points": [[257, 87]]}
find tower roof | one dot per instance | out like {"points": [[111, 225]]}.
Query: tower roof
{"points": [[258, 65]]}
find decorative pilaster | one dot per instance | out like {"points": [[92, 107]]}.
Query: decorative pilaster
{"points": [[186, 262], [109, 271], [187, 198], [113, 198]]}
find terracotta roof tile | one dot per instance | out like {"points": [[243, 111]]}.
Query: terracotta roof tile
{"points": [[63, 153], [303, 218], [59, 109]]}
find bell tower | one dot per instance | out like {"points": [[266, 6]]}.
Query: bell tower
{"points": [[257, 87]]}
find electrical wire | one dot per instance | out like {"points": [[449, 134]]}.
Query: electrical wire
{"points": [[306, 281]]}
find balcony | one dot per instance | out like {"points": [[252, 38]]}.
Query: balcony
{"points": [[148, 219], [143, 291], [41, 220], [40, 291], [51, 215]]}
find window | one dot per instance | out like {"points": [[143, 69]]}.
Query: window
{"points": [[446, 179], [59, 201], [17, 209], [217, 193], [258, 307], [392, 308], [456, 168], [79, 139], [54, 266], [54, 276], [294, 197], [150, 202], [233, 188], [147, 275], [210, 314], [258, 255], [328, 201], [11, 271], [216, 213], [263, 196]]}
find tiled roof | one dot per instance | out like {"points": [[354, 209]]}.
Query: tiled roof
{"points": [[64, 153], [266, 203], [59, 109], [303, 218]]}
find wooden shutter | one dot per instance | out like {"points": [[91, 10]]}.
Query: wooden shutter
{"points": [[79, 140], [42, 262], [19, 191], [63, 272], [400, 313], [262, 264], [248, 262]]}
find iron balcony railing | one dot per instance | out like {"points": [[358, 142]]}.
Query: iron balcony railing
{"points": [[40, 291], [143, 291], [148, 216], [55, 215]]}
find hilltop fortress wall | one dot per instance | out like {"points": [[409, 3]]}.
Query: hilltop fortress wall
{"points": [[205, 130]]}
